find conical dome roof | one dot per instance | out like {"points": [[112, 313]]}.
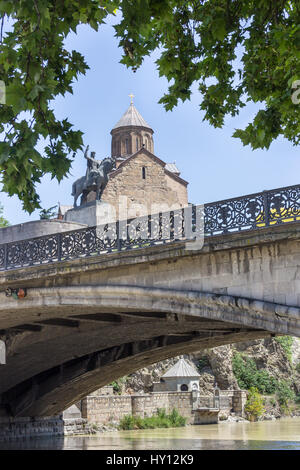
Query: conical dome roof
{"points": [[182, 369], [131, 118]]}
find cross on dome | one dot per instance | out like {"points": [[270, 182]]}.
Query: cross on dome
{"points": [[132, 117]]}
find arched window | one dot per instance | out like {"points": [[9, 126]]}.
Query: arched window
{"points": [[137, 144], [184, 388], [127, 146], [144, 173]]}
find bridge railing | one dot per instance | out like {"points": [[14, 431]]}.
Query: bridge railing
{"points": [[251, 212]]}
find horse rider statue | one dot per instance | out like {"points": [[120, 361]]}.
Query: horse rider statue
{"points": [[95, 179], [92, 163]]}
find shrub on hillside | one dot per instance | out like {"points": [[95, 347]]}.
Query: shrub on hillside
{"points": [[247, 374], [284, 393], [255, 404], [286, 344], [159, 420]]}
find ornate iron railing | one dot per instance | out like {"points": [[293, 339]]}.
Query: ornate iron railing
{"points": [[254, 211]]}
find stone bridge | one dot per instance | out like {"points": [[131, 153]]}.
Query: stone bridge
{"points": [[87, 320]]}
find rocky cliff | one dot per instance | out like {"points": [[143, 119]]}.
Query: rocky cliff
{"points": [[272, 363]]}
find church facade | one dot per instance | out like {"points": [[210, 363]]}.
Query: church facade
{"points": [[141, 183]]}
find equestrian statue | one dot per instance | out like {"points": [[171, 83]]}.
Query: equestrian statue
{"points": [[95, 179]]}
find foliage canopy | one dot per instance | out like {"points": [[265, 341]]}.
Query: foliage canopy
{"points": [[286, 343], [158, 420], [46, 214], [3, 221], [254, 406], [284, 393], [248, 376], [234, 51]]}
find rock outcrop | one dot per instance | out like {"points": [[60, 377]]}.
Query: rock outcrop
{"points": [[215, 366], [220, 360]]}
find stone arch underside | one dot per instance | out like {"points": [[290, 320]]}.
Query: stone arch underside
{"points": [[65, 342]]}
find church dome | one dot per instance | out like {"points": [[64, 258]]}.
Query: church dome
{"points": [[130, 134], [181, 369], [131, 118]]}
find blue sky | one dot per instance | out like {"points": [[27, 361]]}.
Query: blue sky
{"points": [[216, 165]]}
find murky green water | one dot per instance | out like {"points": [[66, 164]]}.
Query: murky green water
{"points": [[265, 435]]}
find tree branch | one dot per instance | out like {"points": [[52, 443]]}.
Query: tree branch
{"points": [[2, 25], [38, 15]]}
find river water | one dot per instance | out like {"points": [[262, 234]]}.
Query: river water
{"points": [[264, 435]]}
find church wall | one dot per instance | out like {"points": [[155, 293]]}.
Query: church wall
{"points": [[119, 136], [179, 188], [174, 384], [157, 192]]}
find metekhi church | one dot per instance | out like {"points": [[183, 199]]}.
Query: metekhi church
{"points": [[140, 183]]}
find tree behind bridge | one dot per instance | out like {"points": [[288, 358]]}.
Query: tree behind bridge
{"points": [[3, 221], [235, 51]]}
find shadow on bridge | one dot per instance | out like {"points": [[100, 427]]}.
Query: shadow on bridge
{"points": [[105, 332]]}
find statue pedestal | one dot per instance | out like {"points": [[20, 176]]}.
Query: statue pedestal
{"points": [[92, 214]]}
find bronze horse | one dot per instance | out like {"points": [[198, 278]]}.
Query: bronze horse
{"points": [[95, 179]]}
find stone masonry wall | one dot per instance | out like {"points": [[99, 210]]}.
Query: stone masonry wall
{"points": [[103, 409], [147, 405], [182, 401], [135, 136], [16, 428], [36, 228], [158, 192]]}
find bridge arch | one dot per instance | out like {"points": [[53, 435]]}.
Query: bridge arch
{"points": [[72, 300], [76, 339]]}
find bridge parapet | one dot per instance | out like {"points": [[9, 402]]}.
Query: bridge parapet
{"points": [[250, 212]]}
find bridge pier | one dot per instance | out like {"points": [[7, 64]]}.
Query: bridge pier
{"points": [[206, 416], [27, 427]]}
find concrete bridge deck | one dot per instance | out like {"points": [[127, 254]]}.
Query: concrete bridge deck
{"points": [[85, 322]]}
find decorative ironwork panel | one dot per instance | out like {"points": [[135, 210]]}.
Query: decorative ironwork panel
{"points": [[135, 234], [33, 251], [167, 220], [178, 224], [194, 222], [89, 241], [284, 205], [2, 257], [107, 237], [156, 233], [234, 214], [254, 211]]}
